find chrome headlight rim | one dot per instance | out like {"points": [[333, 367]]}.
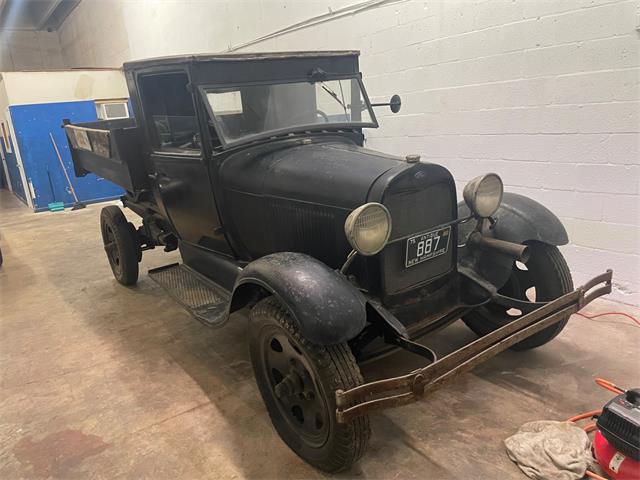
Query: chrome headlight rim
{"points": [[481, 202], [351, 228]]}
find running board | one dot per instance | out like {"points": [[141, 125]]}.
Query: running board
{"points": [[204, 299], [405, 389]]}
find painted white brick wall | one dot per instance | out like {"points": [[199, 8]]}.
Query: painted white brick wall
{"points": [[556, 116], [544, 92], [25, 50]]}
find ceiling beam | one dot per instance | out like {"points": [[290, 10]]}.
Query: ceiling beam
{"points": [[42, 12]]}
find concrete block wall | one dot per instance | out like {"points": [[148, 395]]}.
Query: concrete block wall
{"points": [[94, 35], [26, 50], [543, 92]]}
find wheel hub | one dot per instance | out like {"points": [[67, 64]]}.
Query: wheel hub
{"points": [[111, 248], [290, 385], [295, 389]]}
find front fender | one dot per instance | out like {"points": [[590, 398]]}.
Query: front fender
{"points": [[519, 220], [326, 307]]}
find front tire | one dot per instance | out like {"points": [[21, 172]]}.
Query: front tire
{"points": [[121, 245], [297, 381], [545, 277]]}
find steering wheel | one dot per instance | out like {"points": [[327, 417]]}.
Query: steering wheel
{"points": [[324, 116]]}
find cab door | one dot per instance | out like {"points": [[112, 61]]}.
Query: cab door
{"points": [[180, 171]]}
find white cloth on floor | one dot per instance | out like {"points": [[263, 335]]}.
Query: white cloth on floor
{"points": [[547, 450]]}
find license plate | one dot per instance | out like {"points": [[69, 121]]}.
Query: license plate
{"points": [[425, 246]]}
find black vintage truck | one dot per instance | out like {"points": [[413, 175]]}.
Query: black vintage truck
{"points": [[253, 166]]}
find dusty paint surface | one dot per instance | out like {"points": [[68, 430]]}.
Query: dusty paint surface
{"points": [[84, 86], [58, 453]]}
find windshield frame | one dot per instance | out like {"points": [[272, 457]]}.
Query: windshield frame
{"points": [[220, 88]]}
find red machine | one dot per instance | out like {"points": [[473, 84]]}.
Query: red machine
{"points": [[616, 445], [615, 464]]}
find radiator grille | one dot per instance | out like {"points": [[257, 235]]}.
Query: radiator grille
{"points": [[413, 211]]}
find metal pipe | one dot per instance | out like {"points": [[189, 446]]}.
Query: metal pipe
{"points": [[513, 250], [347, 263], [77, 204]]}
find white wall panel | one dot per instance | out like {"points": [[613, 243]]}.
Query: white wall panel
{"points": [[64, 86]]}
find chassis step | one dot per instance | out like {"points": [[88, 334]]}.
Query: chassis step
{"points": [[205, 300]]}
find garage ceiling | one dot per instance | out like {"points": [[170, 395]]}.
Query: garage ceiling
{"points": [[34, 14]]}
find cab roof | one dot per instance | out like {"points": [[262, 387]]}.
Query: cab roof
{"points": [[236, 57], [228, 69]]}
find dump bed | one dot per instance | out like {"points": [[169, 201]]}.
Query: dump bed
{"points": [[111, 150]]}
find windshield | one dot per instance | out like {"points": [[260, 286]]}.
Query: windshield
{"points": [[255, 110]]}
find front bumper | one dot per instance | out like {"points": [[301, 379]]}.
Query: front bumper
{"points": [[397, 391]]}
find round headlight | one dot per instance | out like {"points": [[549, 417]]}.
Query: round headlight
{"points": [[368, 228], [483, 194]]}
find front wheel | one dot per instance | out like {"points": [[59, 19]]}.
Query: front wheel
{"points": [[297, 381], [545, 277]]}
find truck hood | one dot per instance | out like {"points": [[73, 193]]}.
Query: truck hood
{"points": [[331, 173]]}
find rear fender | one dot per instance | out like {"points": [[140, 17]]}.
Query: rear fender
{"points": [[326, 307]]}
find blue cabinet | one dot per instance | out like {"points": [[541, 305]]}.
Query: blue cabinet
{"points": [[32, 125]]}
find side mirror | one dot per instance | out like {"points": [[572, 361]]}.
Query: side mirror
{"points": [[394, 104]]}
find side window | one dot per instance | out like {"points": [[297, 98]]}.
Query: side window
{"points": [[170, 112]]}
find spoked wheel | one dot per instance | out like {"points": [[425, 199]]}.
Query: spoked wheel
{"points": [[298, 380], [121, 245], [545, 277]]}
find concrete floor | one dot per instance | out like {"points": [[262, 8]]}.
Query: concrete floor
{"points": [[103, 381]]}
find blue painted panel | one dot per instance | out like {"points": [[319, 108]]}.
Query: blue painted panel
{"points": [[32, 124], [14, 171]]}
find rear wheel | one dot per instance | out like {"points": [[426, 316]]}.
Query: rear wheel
{"points": [[545, 277], [121, 245], [298, 380]]}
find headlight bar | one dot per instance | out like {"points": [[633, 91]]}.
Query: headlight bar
{"points": [[397, 391]]}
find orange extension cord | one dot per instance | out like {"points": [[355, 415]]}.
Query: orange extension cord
{"points": [[593, 317], [606, 384]]}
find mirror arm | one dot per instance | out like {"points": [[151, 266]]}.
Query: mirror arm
{"points": [[394, 103]]}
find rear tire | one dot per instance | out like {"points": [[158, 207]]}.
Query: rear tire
{"points": [[303, 413], [545, 277], [121, 245]]}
